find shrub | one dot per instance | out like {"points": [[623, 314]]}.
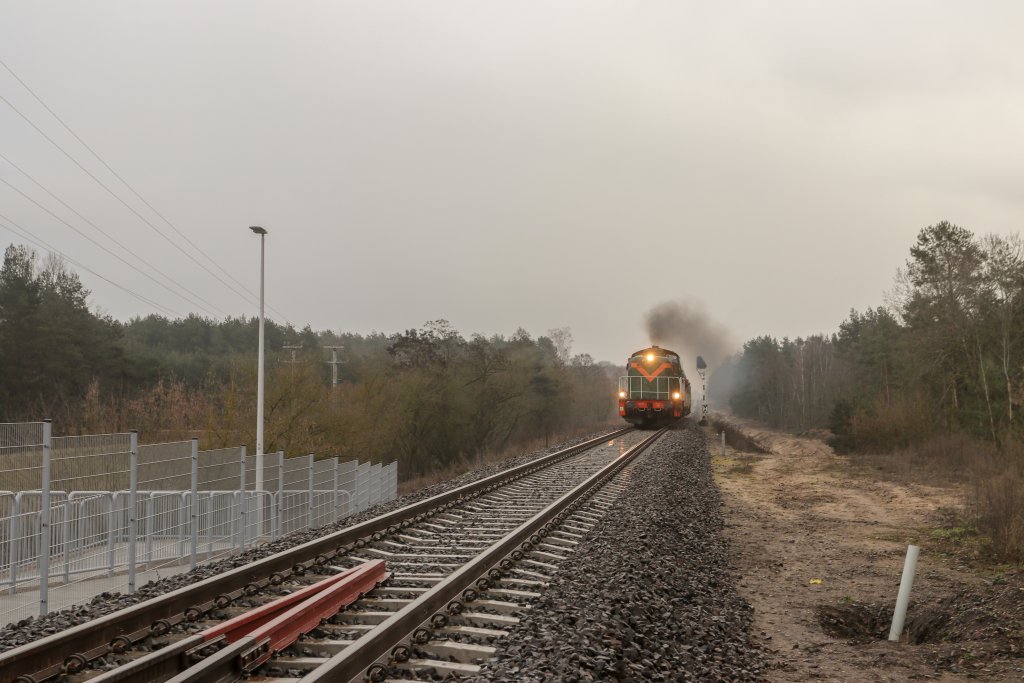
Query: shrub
{"points": [[998, 500], [840, 422]]}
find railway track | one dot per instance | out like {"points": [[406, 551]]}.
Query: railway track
{"points": [[422, 591]]}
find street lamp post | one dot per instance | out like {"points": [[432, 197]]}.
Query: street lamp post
{"points": [[259, 375]]}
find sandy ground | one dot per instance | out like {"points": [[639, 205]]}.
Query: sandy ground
{"points": [[809, 531]]}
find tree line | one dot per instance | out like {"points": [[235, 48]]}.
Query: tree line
{"points": [[429, 397], [945, 356]]}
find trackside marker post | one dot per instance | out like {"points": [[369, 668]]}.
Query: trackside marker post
{"points": [[903, 597]]}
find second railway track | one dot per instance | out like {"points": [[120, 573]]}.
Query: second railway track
{"points": [[458, 568]]}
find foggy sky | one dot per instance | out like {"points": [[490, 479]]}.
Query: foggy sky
{"points": [[539, 164]]}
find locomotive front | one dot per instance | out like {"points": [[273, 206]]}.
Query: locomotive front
{"points": [[655, 390]]}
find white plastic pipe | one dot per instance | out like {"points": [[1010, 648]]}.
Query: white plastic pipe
{"points": [[903, 598]]}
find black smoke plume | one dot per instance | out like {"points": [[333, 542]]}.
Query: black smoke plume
{"points": [[686, 328]]}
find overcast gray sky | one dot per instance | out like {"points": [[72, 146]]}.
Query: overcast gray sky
{"points": [[534, 164]]}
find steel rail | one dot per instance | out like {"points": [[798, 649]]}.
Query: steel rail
{"points": [[354, 660], [70, 650], [239, 645]]}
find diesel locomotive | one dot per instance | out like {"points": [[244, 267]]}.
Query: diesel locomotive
{"points": [[655, 391]]}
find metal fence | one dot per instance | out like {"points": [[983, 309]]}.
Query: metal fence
{"points": [[114, 514]]}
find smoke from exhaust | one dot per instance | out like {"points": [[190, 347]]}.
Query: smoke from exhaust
{"points": [[686, 328]]}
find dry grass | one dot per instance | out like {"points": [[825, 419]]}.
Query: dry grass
{"points": [[993, 480], [743, 463], [938, 461], [999, 510], [495, 457]]}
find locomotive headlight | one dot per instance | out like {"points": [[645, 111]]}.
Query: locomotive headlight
{"points": [[675, 395], [622, 394], [650, 358]]}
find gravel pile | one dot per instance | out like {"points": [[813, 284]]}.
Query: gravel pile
{"points": [[28, 630], [649, 594]]}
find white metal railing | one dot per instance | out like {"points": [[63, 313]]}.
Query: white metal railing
{"points": [[89, 528], [639, 387], [176, 507]]}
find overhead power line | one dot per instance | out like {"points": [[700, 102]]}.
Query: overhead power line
{"points": [[197, 297], [24, 234], [109, 251], [253, 298], [118, 198]]}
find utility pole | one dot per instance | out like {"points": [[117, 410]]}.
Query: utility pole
{"points": [[293, 362], [334, 363]]}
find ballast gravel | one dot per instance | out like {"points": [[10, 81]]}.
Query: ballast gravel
{"points": [[649, 593], [32, 629]]}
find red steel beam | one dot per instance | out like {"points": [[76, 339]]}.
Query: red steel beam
{"points": [[276, 625], [284, 629], [244, 624]]}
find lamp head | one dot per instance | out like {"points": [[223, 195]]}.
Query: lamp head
{"points": [[258, 230]]}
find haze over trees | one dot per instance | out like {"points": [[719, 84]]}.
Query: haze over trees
{"points": [[428, 397], [946, 356]]}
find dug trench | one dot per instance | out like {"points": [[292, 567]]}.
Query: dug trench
{"points": [[820, 544]]}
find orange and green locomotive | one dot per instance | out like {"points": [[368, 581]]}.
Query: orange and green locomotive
{"points": [[655, 391]]}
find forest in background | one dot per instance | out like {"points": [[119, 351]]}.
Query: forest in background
{"points": [[429, 398], [935, 377], [947, 354]]}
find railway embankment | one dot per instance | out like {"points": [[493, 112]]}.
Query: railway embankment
{"points": [[820, 540], [650, 593]]}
